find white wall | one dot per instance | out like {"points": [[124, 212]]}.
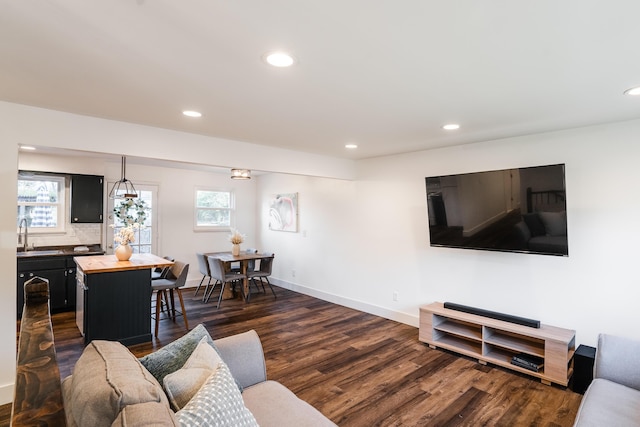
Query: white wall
{"points": [[367, 239]]}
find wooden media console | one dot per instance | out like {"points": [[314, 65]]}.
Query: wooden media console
{"points": [[497, 341]]}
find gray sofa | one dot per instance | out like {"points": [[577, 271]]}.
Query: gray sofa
{"points": [[613, 398], [110, 387]]}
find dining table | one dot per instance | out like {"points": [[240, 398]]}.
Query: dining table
{"points": [[243, 258]]}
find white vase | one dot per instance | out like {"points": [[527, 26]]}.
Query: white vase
{"points": [[235, 250], [123, 252]]}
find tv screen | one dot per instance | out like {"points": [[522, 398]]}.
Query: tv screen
{"points": [[514, 210]]}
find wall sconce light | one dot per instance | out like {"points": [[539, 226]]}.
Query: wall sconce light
{"points": [[240, 174]]}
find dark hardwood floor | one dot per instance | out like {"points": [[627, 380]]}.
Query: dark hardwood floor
{"points": [[356, 368]]}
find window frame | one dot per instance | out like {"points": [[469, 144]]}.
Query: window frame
{"points": [[61, 204], [231, 209]]}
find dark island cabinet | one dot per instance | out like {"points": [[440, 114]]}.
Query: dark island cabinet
{"points": [[87, 199]]}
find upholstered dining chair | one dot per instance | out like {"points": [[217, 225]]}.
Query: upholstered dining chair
{"points": [[176, 278], [203, 265], [218, 273], [263, 272], [251, 264]]}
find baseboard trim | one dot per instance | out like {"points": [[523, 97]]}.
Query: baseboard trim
{"points": [[6, 393], [407, 319]]}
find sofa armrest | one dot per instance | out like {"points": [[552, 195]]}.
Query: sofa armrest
{"points": [[244, 356], [617, 360]]}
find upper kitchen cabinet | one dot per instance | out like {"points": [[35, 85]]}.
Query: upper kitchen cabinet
{"points": [[87, 199]]}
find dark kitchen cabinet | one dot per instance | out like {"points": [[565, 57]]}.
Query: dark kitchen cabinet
{"points": [[54, 270], [87, 199], [60, 271]]}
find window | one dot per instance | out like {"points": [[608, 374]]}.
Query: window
{"points": [[214, 209], [41, 202]]}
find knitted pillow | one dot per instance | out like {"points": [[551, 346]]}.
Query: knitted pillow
{"points": [[217, 403], [173, 356]]}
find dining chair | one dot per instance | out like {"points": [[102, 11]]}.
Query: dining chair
{"points": [[263, 272], [175, 279], [218, 273], [161, 272], [203, 265], [251, 264]]}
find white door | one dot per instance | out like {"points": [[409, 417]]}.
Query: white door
{"points": [[140, 210]]}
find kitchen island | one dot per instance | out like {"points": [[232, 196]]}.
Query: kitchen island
{"points": [[113, 299]]}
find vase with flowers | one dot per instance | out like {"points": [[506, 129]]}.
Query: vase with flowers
{"points": [[123, 237], [236, 239]]}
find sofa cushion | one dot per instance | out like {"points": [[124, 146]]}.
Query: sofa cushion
{"points": [[272, 404], [606, 403], [184, 383], [173, 356], [217, 403], [555, 223], [107, 378]]}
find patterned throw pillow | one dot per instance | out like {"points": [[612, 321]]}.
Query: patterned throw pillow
{"points": [[217, 403], [184, 383]]}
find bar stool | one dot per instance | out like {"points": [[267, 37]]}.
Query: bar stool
{"points": [[176, 278]]}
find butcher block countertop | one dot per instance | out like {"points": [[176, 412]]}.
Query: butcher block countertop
{"points": [[108, 263]]}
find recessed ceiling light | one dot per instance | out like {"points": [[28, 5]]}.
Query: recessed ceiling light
{"points": [[451, 126], [191, 113], [351, 146], [633, 91], [279, 59], [27, 147]]}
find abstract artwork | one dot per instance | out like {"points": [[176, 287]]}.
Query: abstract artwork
{"points": [[283, 212]]}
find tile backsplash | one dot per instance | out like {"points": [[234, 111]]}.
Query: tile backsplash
{"points": [[77, 234]]}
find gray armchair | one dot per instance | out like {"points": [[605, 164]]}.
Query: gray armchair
{"points": [[613, 398]]}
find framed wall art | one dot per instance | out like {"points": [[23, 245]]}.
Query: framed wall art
{"points": [[283, 212]]}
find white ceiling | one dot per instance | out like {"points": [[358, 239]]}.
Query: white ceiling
{"points": [[384, 74]]}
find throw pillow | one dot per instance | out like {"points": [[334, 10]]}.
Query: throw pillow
{"points": [[217, 403], [106, 378], [555, 223], [184, 383], [172, 356], [536, 227]]}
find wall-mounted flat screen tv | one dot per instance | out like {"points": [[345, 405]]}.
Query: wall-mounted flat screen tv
{"points": [[513, 210]]}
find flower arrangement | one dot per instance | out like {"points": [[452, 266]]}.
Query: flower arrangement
{"points": [[131, 211], [235, 237], [127, 234]]}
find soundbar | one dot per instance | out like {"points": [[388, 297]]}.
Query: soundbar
{"points": [[493, 314]]}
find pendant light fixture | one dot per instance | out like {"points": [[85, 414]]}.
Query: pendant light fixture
{"points": [[123, 189], [240, 174]]}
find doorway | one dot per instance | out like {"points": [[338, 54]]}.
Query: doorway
{"points": [[123, 212]]}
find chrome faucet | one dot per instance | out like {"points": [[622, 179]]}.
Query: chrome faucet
{"points": [[26, 234]]}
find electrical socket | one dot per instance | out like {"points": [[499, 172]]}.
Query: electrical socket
{"points": [[293, 273], [395, 296]]}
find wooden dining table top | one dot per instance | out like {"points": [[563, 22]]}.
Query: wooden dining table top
{"points": [[242, 256]]}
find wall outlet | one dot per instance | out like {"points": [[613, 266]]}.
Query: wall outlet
{"points": [[395, 296], [293, 273]]}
